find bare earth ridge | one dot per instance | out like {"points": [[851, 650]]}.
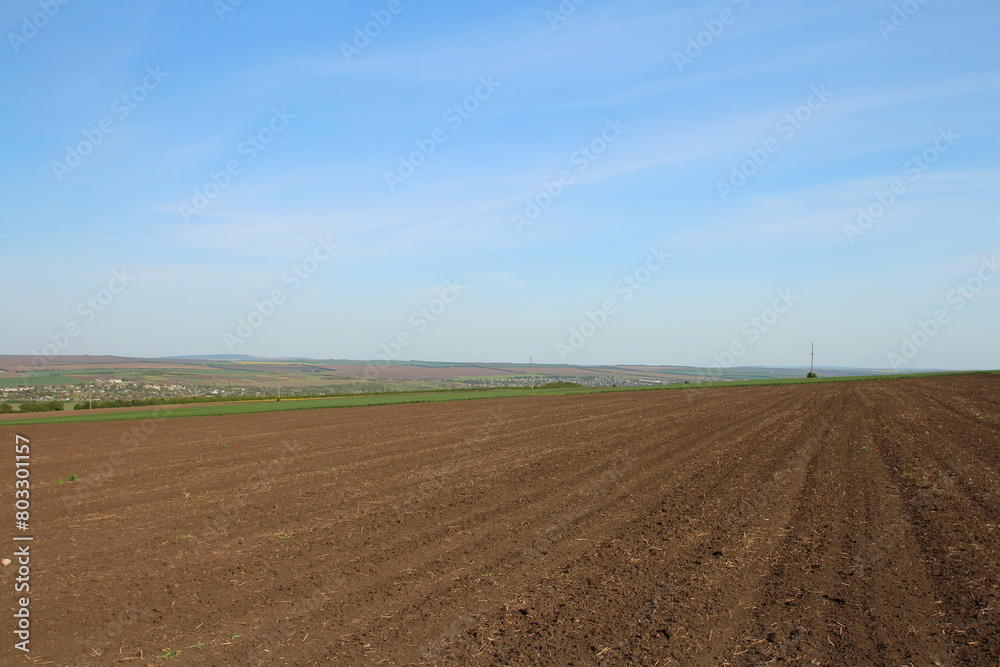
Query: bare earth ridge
{"points": [[832, 524]]}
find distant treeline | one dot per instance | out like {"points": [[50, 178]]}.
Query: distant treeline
{"points": [[175, 400], [179, 400], [32, 406], [50, 406]]}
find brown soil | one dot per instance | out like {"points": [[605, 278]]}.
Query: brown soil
{"points": [[831, 524]]}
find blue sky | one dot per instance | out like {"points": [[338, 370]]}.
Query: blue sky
{"points": [[739, 138]]}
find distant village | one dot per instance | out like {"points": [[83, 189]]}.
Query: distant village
{"points": [[110, 390]]}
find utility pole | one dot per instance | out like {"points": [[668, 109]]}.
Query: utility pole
{"points": [[812, 358], [531, 367]]}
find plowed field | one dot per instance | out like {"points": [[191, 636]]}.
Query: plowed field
{"points": [[849, 523]]}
